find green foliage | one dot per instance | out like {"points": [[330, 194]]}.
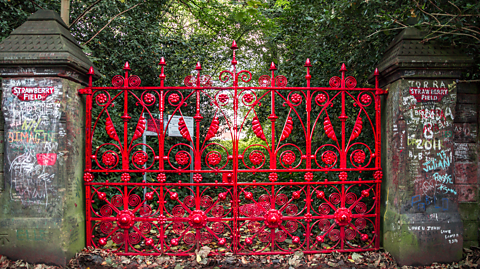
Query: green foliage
{"points": [[14, 13], [358, 32]]}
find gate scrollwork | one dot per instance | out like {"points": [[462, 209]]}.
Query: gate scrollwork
{"points": [[266, 169]]}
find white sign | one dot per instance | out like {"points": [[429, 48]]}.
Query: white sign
{"points": [[154, 124], [173, 125]]}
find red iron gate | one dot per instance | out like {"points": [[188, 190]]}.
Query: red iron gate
{"points": [[274, 169]]}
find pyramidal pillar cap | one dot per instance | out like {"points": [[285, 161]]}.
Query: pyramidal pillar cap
{"points": [[408, 56], [44, 43]]}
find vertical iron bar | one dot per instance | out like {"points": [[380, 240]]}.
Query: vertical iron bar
{"points": [[197, 157], [343, 118], [343, 159], [378, 151], [235, 198], [125, 164], [88, 157], [161, 136], [162, 225], [161, 140], [125, 118], [342, 229], [308, 139], [125, 207], [273, 154]]}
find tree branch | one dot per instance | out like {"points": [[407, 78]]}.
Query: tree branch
{"points": [[84, 13], [459, 10], [458, 15], [200, 20], [470, 81], [114, 17], [435, 18], [431, 2], [440, 25], [435, 37], [391, 29], [451, 26], [461, 34], [33, 2]]}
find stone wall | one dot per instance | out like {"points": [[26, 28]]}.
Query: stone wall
{"points": [[466, 160]]}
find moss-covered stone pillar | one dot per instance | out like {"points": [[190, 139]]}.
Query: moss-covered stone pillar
{"points": [[466, 159], [421, 223], [42, 198]]}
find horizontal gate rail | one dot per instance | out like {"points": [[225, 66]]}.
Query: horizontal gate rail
{"points": [[246, 169]]}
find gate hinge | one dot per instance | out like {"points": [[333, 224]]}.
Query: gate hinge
{"points": [[85, 91], [381, 92]]}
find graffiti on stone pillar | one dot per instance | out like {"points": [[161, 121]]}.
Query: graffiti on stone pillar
{"points": [[32, 111], [428, 108]]}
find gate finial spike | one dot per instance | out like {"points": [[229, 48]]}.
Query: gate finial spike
{"points": [[162, 76], [162, 62], [376, 74], [308, 77], [198, 66], [307, 63], [91, 72], [234, 45], [126, 66], [272, 66], [343, 68]]}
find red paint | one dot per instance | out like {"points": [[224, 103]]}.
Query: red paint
{"points": [[428, 94], [32, 93], [306, 208], [46, 158]]}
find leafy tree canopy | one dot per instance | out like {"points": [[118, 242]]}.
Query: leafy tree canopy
{"points": [[358, 32], [284, 31]]}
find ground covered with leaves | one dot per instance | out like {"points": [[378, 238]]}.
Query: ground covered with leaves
{"points": [[96, 258]]}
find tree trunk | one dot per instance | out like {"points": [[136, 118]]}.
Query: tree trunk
{"points": [[65, 11]]}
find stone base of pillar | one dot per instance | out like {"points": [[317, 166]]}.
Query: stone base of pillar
{"points": [[422, 239], [42, 240]]}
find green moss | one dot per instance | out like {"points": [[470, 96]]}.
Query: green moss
{"points": [[469, 211]]}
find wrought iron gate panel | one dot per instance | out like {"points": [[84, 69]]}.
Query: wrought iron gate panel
{"points": [[284, 191]]}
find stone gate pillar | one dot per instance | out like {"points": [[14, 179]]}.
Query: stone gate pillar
{"points": [[42, 198], [421, 223]]}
